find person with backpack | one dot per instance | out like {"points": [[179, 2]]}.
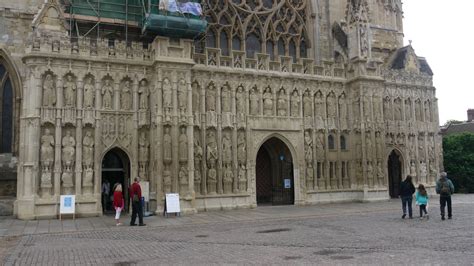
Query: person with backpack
{"points": [[444, 187], [406, 194], [135, 197], [422, 201]]}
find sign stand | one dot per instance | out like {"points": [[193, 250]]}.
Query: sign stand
{"points": [[172, 204], [67, 205]]}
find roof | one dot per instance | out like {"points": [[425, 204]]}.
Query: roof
{"points": [[459, 128], [403, 56]]}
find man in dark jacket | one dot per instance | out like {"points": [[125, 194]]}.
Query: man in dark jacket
{"points": [[444, 187], [406, 194], [135, 198]]}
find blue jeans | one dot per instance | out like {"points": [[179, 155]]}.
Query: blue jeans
{"points": [[406, 202]]}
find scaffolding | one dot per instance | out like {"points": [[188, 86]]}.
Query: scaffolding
{"points": [[141, 19]]}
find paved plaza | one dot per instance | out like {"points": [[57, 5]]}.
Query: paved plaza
{"points": [[344, 233]]}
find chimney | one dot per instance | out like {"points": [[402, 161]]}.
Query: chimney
{"points": [[470, 115]]}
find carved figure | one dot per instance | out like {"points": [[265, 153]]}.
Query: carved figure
{"points": [[107, 93], [240, 100], [228, 178], [88, 150], [167, 148], [380, 174], [387, 111], [196, 91], [183, 178], [126, 96], [331, 106], [143, 95], [254, 102], [418, 111], [68, 150], [49, 91], [167, 180], [242, 178], [408, 114], [307, 104], [282, 105], [143, 150], [308, 141], [295, 104], [226, 148], [427, 112], [343, 110], [47, 150], [69, 91], [211, 98], [241, 149], [397, 110], [267, 102], [211, 180], [412, 169], [182, 97], [183, 145], [167, 99], [89, 94], [211, 154], [226, 99], [320, 146]]}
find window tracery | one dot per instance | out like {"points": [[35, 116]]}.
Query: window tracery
{"points": [[257, 26]]}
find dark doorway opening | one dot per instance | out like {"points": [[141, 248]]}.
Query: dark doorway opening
{"points": [[394, 174], [115, 170], [274, 174]]}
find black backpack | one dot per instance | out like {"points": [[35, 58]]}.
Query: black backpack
{"points": [[445, 190]]}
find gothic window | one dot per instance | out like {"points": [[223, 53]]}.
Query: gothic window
{"points": [[224, 43], [270, 50], [331, 144], [6, 111], [343, 143], [253, 24]]}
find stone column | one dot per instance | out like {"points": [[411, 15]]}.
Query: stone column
{"points": [[156, 136], [235, 164], [116, 96], [175, 136], [78, 162], [190, 134], [202, 108], [58, 139], [220, 172], [134, 146]]}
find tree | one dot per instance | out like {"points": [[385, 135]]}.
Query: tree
{"points": [[453, 122], [459, 160]]}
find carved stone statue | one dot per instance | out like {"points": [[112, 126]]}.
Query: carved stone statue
{"points": [[319, 107], [423, 172], [254, 102], [68, 150], [397, 110], [88, 150], [308, 141], [370, 173], [211, 180], [343, 111], [47, 150], [307, 104], [143, 148], [320, 146], [412, 169], [378, 108], [211, 154], [167, 99], [226, 148], [167, 146], [126, 96], [428, 112], [143, 95], [69, 92], [242, 178], [267, 102], [331, 106], [182, 97], [369, 145], [49, 91], [198, 153], [183, 146], [295, 104], [282, 105], [89, 94], [196, 92], [183, 179], [379, 145], [211, 98], [241, 148], [228, 178], [418, 111], [408, 114], [240, 100], [380, 174], [226, 99], [107, 94], [167, 179]]}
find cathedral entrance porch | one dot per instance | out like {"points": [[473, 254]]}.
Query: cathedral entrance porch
{"points": [[394, 173], [274, 174], [115, 170]]}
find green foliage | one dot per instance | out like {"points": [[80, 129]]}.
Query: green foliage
{"points": [[459, 160], [452, 121]]}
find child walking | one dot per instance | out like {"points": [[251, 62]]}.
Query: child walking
{"points": [[118, 203], [422, 200]]}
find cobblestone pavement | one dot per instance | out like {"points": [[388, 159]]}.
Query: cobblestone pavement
{"points": [[350, 233]]}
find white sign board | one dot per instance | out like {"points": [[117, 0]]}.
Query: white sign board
{"points": [[172, 203], [145, 185], [67, 204], [287, 183]]}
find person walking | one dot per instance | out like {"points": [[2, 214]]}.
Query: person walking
{"points": [[445, 188], [135, 197], [119, 203], [406, 194], [422, 201]]}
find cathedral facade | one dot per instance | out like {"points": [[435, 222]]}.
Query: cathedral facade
{"points": [[279, 102]]}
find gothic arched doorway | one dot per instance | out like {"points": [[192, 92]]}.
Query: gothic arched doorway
{"points": [[274, 174], [394, 173], [115, 170]]}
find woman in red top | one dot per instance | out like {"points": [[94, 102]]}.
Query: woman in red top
{"points": [[118, 203]]}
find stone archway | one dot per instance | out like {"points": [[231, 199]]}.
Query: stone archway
{"points": [[395, 167], [115, 169], [274, 174]]}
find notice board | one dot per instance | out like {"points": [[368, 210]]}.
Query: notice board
{"points": [[172, 203]]}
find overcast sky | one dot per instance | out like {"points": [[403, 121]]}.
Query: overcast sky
{"points": [[442, 31]]}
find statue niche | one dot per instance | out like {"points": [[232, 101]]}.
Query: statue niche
{"points": [[89, 93], [107, 92], [49, 91], [126, 96], [69, 91]]}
